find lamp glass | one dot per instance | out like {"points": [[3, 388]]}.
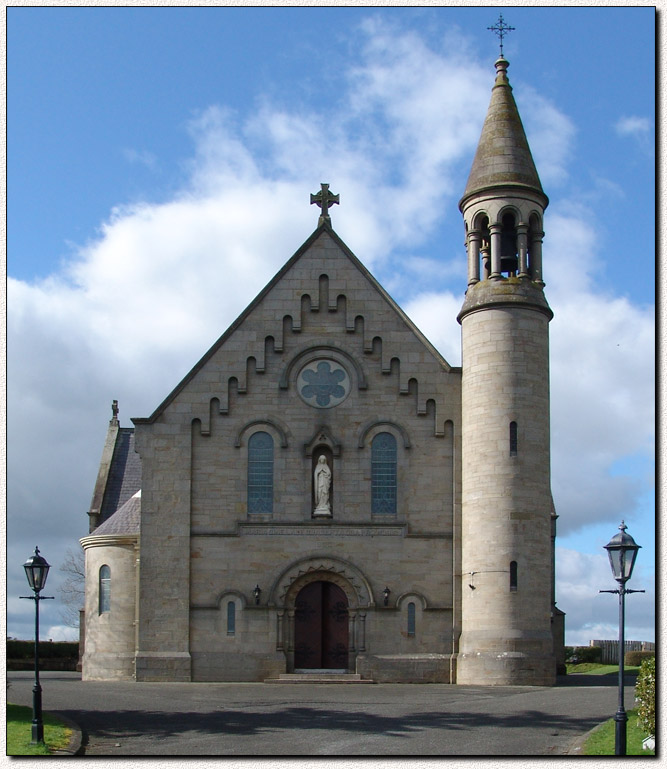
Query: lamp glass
{"points": [[622, 562], [622, 551], [36, 571]]}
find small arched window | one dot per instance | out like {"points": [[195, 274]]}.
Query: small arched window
{"points": [[383, 474], [260, 474], [513, 577], [412, 623], [513, 439], [231, 618], [105, 590]]}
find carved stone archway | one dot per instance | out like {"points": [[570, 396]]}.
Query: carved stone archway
{"points": [[323, 568]]}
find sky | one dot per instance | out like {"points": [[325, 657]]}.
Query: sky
{"points": [[159, 167]]}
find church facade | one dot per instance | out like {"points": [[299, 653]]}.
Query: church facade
{"points": [[324, 493]]}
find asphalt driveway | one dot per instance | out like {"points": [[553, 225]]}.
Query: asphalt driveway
{"points": [[407, 720]]}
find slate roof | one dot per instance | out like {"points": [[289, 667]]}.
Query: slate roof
{"points": [[124, 478], [125, 520]]}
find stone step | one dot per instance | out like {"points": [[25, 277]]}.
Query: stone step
{"points": [[318, 678]]}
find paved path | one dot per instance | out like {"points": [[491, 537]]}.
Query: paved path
{"points": [[207, 719]]}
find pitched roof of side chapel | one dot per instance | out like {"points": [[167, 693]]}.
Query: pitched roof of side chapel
{"points": [[322, 230], [124, 521]]}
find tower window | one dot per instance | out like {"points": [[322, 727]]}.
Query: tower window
{"points": [[231, 618], [260, 474], [513, 577], [105, 590], [513, 439], [383, 474], [411, 619]]}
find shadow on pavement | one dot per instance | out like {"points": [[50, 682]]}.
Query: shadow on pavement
{"points": [[126, 724]]}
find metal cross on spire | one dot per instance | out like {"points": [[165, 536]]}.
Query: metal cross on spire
{"points": [[324, 199], [501, 29]]}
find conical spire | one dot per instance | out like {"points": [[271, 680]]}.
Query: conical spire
{"points": [[503, 156]]}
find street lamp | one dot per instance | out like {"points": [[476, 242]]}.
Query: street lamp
{"points": [[622, 550], [37, 570]]}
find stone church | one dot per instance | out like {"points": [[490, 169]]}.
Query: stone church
{"points": [[324, 495]]}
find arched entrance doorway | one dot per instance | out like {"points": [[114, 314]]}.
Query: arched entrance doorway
{"points": [[321, 627]]}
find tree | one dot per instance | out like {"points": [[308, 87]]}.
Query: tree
{"points": [[72, 589]]}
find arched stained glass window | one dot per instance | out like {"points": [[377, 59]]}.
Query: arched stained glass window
{"points": [[260, 474], [383, 474], [105, 589], [411, 619], [231, 618]]}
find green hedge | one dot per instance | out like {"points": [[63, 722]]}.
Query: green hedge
{"points": [[645, 696], [636, 658], [583, 653], [25, 650]]}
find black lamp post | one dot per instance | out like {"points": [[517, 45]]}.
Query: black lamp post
{"points": [[257, 592], [36, 570], [622, 550]]}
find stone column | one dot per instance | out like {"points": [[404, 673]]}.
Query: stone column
{"points": [[352, 631], [536, 256], [486, 260], [290, 631], [362, 631], [474, 242], [522, 244], [279, 636], [495, 230]]}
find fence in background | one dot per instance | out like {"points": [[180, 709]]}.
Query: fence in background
{"points": [[610, 649]]}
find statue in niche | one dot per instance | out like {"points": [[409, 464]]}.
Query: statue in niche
{"points": [[322, 486]]}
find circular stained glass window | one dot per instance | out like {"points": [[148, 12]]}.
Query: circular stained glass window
{"points": [[323, 384]]}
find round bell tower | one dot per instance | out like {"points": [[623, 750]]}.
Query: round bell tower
{"points": [[507, 508]]}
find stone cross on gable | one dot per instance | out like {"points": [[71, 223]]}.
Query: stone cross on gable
{"points": [[324, 199]]}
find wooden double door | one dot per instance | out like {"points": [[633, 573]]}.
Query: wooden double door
{"points": [[321, 627]]}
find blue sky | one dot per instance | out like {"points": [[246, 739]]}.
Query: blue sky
{"points": [[159, 166]]}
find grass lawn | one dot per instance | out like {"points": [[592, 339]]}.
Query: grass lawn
{"points": [[19, 733], [602, 741], [596, 669]]}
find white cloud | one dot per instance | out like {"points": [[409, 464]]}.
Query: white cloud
{"points": [[602, 378], [435, 315], [550, 134], [140, 157], [60, 633], [633, 126]]}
